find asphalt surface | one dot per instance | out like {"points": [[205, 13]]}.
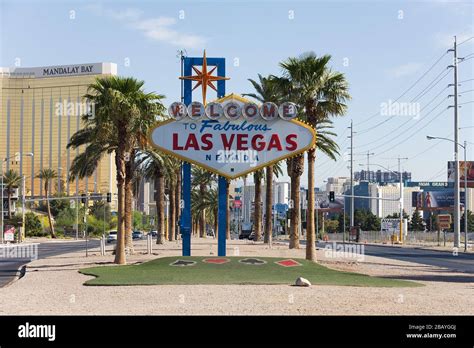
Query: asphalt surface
{"points": [[10, 267], [462, 262]]}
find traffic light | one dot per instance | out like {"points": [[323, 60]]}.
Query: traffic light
{"points": [[109, 197], [332, 196], [83, 198]]}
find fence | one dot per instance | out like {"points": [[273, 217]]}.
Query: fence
{"points": [[412, 238]]}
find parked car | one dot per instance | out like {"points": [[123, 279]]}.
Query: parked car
{"points": [[153, 233], [246, 231], [112, 237], [137, 235]]}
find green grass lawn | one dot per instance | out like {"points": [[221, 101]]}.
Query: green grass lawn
{"points": [[159, 272]]}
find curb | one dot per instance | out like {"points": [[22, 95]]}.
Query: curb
{"points": [[20, 273]]}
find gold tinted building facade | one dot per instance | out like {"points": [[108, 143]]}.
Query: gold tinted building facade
{"points": [[40, 110]]}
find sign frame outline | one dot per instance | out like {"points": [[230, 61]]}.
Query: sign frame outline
{"points": [[225, 175]]}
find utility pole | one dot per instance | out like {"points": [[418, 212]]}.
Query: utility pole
{"points": [[466, 233], [401, 196], [352, 174], [457, 205]]}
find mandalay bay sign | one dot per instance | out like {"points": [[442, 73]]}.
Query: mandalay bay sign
{"points": [[232, 136]]}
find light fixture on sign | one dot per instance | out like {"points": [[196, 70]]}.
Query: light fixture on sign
{"points": [[288, 111], [250, 111], [214, 111], [196, 110], [177, 110], [232, 110], [269, 111]]}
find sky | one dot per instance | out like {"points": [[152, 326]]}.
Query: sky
{"points": [[393, 54]]}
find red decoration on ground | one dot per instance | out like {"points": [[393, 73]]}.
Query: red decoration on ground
{"points": [[288, 263], [218, 261]]}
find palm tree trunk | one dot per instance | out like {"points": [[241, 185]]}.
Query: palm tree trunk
{"points": [[129, 175], [9, 208], [120, 249], [160, 208], [296, 168], [172, 215], [177, 202], [310, 237], [257, 215], [216, 222], [268, 205], [48, 206], [202, 214], [128, 215]]}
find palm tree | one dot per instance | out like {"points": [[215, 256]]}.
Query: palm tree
{"points": [[48, 175], [172, 167], [267, 90], [273, 170], [320, 94], [11, 180], [295, 168], [151, 165], [257, 210], [202, 179], [123, 114], [209, 203]]}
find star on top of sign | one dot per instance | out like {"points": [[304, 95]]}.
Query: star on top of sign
{"points": [[204, 78]]}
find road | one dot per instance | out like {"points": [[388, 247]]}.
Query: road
{"points": [[9, 267], [462, 262]]}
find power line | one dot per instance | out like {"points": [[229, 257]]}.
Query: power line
{"points": [[428, 88], [469, 38], [403, 124], [411, 134], [418, 121], [409, 88]]}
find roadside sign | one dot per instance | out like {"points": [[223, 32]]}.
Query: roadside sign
{"points": [[444, 221], [9, 234]]}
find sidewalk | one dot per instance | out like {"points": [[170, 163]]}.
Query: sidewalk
{"points": [[53, 286]]}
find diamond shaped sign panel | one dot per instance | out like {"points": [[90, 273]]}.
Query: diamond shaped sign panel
{"points": [[232, 148]]}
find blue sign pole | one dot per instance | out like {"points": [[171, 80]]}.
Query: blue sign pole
{"points": [[222, 216], [188, 63]]}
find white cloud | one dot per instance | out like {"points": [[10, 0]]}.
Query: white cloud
{"points": [[158, 29], [405, 69]]}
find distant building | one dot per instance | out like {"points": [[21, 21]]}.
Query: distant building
{"points": [[40, 110], [381, 177], [337, 184]]}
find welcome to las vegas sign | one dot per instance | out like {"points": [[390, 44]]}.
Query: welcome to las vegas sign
{"points": [[232, 136]]}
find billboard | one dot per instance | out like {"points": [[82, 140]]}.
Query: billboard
{"points": [[468, 165], [428, 200]]}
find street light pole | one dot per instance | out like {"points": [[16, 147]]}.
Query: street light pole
{"points": [[457, 235], [401, 199]]}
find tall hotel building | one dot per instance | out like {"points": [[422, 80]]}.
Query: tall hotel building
{"points": [[40, 110]]}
